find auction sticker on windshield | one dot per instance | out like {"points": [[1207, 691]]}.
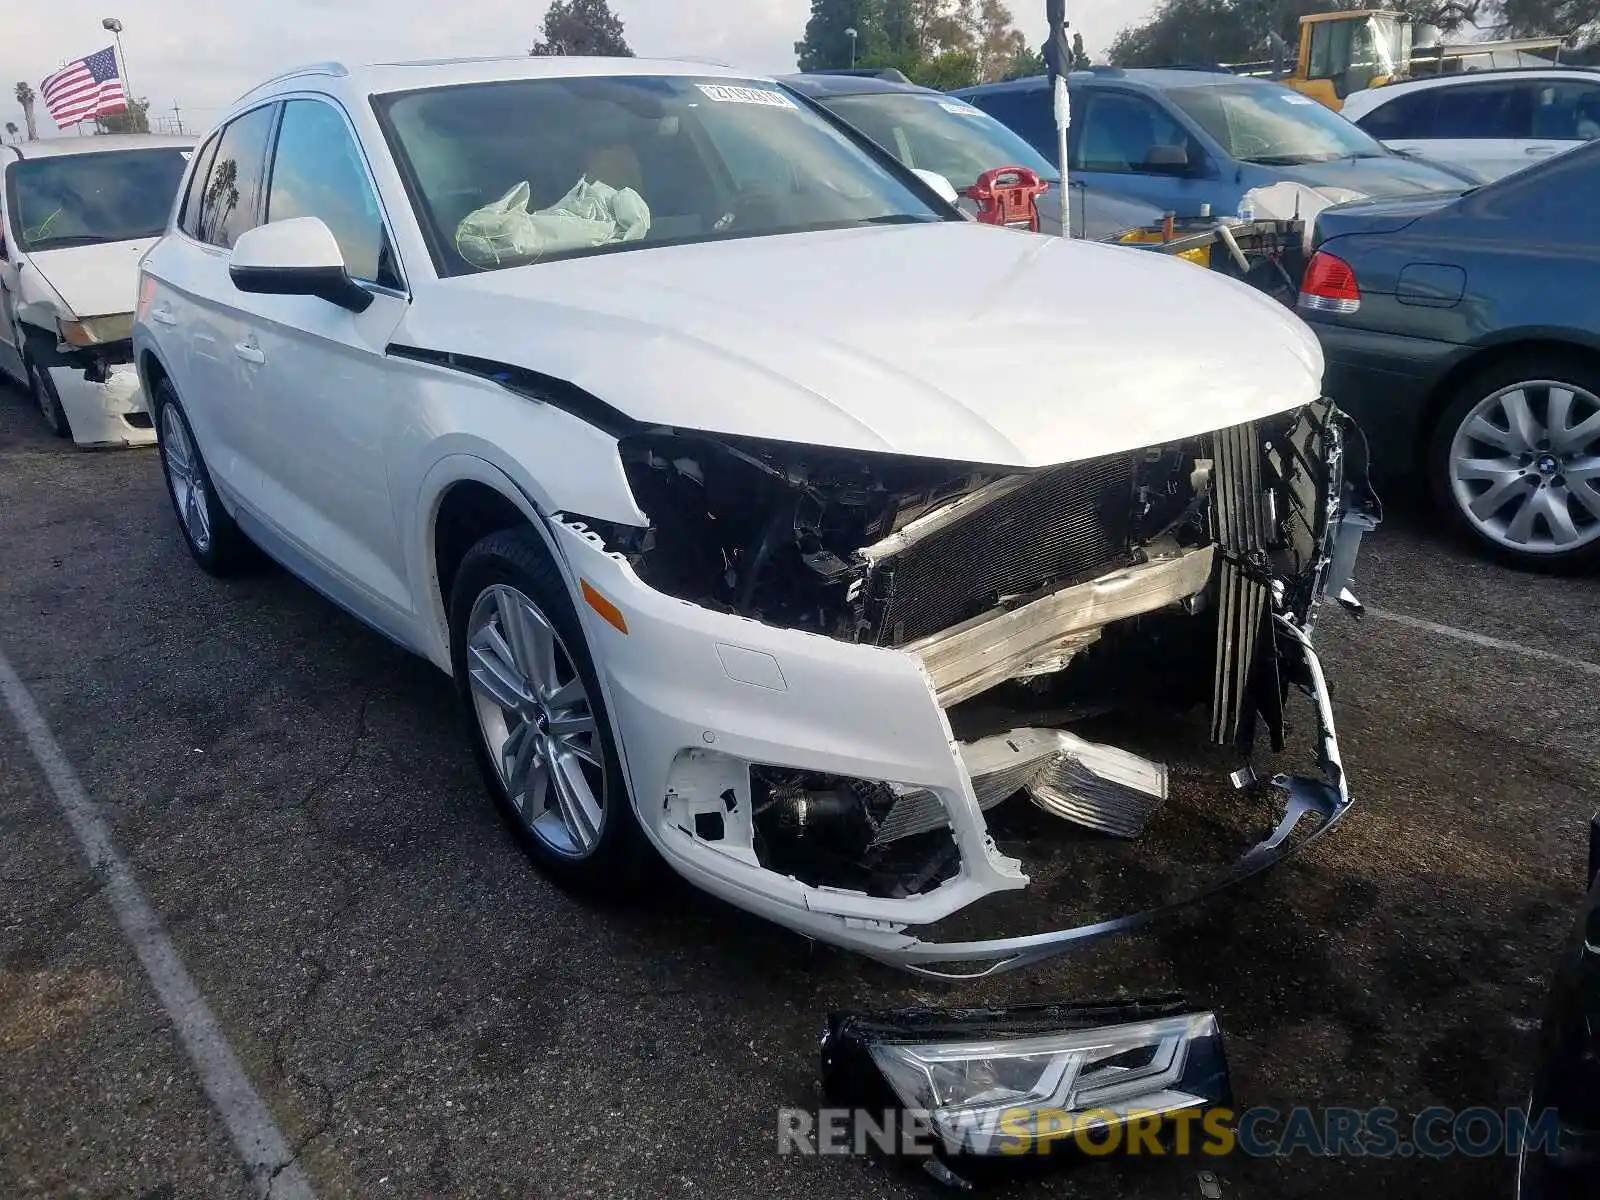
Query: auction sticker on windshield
{"points": [[725, 94]]}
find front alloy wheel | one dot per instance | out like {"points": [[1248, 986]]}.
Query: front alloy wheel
{"points": [[537, 722], [1521, 468], [529, 685]]}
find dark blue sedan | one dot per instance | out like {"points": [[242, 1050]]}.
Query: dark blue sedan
{"points": [[1464, 334]]}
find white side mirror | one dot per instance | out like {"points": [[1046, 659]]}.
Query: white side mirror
{"points": [[938, 183], [297, 257]]}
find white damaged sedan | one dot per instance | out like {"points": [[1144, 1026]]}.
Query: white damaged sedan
{"points": [[752, 497], [76, 215]]}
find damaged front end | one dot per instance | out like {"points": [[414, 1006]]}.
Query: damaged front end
{"points": [[1182, 575]]}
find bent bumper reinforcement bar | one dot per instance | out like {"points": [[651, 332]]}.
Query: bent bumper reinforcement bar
{"points": [[1327, 799]]}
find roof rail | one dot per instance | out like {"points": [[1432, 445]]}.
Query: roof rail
{"points": [[335, 70], [697, 58], [1209, 68], [892, 74], [1427, 71]]}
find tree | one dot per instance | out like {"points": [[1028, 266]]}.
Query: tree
{"points": [[1024, 64], [1080, 57], [25, 97], [998, 40], [133, 119], [1576, 20], [586, 27], [1239, 30], [948, 71], [826, 44], [938, 43]]}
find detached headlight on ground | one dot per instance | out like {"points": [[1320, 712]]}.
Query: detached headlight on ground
{"points": [[998, 1083]]}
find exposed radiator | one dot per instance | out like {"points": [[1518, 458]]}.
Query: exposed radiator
{"points": [[1057, 527], [1242, 601]]}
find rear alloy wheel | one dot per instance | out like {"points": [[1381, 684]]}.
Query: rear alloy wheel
{"points": [[543, 738], [49, 401], [1517, 463], [216, 543]]}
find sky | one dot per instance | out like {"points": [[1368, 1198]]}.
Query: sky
{"points": [[203, 55]]}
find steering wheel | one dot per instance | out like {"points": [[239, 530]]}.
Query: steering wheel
{"points": [[754, 206]]}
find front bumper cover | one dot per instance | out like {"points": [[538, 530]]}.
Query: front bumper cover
{"points": [[1326, 799], [697, 695]]}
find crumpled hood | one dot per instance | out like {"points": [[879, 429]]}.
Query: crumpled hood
{"points": [[95, 281], [951, 340]]}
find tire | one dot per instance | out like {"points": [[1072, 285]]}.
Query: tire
{"points": [[1514, 461], [569, 803], [48, 400], [215, 541]]}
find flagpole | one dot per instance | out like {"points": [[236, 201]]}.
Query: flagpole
{"points": [[1058, 57], [115, 26]]}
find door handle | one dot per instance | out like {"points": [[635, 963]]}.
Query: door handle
{"points": [[250, 353], [163, 316], [1539, 150]]}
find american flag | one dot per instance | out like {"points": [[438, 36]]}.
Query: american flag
{"points": [[87, 88]]}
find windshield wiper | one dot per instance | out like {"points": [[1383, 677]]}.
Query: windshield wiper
{"points": [[897, 219], [1286, 160]]}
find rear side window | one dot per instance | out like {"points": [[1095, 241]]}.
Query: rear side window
{"points": [[231, 203], [189, 217], [318, 172], [1566, 111], [1408, 115], [1485, 111], [1024, 111]]}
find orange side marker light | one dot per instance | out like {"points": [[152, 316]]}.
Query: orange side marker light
{"points": [[607, 610]]}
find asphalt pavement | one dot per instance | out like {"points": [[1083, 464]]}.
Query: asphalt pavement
{"points": [[424, 1015]]}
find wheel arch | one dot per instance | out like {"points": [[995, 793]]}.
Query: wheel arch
{"points": [[152, 371], [457, 489], [464, 499], [1485, 356]]}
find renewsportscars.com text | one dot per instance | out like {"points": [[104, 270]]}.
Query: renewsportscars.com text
{"points": [[1217, 1132]]}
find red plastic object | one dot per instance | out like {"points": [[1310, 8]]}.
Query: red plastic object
{"points": [[1009, 196]]}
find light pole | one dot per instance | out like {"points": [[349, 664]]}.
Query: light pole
{"points": [[115, 28], [852, 35]]}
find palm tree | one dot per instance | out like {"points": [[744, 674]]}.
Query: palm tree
{"points": [[25, 97]]}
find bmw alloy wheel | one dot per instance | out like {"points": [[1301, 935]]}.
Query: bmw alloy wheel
{"points": [[537, 721], [1525, 467], [187, 480]]}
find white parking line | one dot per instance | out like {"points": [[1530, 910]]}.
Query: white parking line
{"points": [[265, 1151], [1483, 640]]}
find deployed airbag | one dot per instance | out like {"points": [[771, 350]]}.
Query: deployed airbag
{"points": [[592, 214]]}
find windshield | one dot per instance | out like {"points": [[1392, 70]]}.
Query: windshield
{"points": [[940, 133], [86, 199], [510, 173], [1265, 123]]}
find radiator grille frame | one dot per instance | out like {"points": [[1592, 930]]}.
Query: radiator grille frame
{"points": [[1058, 527]]}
